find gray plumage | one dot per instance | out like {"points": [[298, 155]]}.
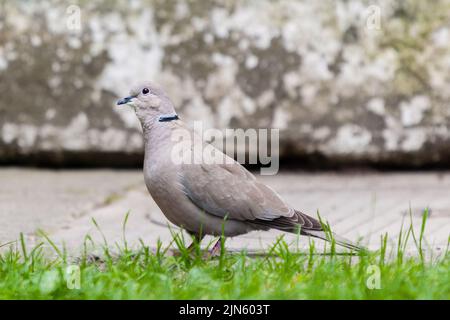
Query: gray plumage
{"points": [[207, 198]]}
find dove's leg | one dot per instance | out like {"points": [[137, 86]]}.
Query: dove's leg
{"points": [[196, 239], [215, 250]]}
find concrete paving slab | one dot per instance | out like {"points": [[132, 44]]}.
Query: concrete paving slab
{"points": [[364, 206], [357, 205], [49, 199]]}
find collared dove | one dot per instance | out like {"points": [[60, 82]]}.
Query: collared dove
{"points": [[207, 197]]}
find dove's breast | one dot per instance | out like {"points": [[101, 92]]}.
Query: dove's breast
{"points": [[163, 178], [163, 183]]}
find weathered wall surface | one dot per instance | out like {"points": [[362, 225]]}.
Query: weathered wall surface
{"points": [[342, 83]]}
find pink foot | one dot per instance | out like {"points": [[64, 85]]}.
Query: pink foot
{"points": [[215, 250]]}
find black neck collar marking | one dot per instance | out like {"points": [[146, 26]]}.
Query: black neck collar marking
{"points": [[168, 118]]}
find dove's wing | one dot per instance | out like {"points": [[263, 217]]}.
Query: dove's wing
{"points": [[227, 189], [230, 190]]}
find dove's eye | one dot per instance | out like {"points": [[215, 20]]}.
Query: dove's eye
{"points": [[145, 91]]}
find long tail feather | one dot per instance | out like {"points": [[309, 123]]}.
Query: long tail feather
{"points": [[337, 238], [307, 226]]}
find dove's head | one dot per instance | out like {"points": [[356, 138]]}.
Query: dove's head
{"points": [[150, 102]]}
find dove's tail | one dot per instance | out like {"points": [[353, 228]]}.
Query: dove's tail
{"points": [[308, 226], [334, 237]]}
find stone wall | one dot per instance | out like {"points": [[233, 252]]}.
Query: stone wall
{"points": [[345, 81]]}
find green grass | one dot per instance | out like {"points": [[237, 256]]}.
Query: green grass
{"points": [[281, 274]]}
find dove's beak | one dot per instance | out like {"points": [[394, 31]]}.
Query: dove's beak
{"points": [[125, 100]]}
